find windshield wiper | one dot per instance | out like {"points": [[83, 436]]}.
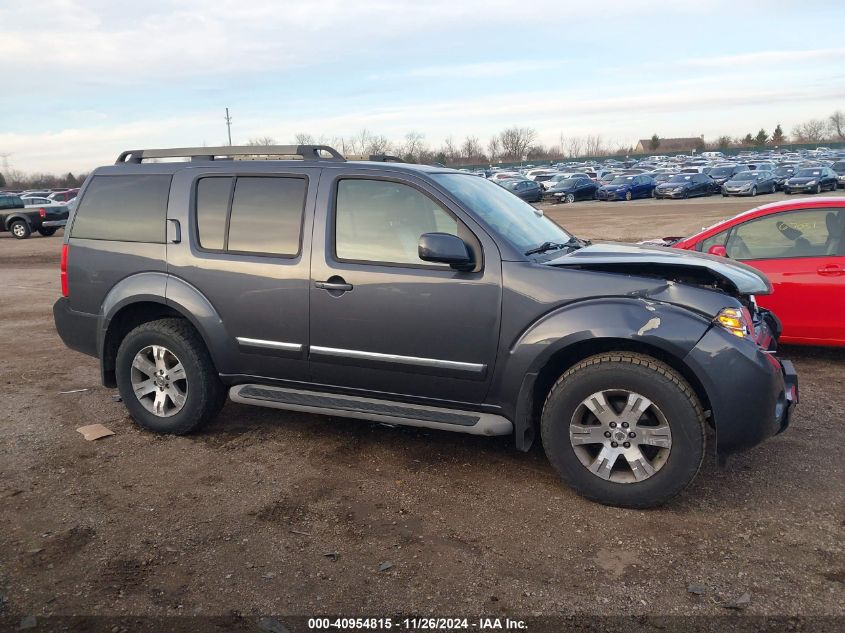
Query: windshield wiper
{"points": [[554, 246], [544, 247]]}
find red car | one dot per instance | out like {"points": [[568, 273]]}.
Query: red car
{"points": [[800, 245]]}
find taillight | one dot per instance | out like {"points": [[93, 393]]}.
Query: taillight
{"points": [[42, 213], [64, 270]]}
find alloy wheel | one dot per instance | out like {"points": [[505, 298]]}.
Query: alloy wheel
{"points": [[159, 381], [617, 423]]}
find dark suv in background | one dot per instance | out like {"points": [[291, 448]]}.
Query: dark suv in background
{"points": [[414, 295]]}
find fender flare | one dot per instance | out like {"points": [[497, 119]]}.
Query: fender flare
{"points": [[175, 293], [671, 329], [17, 216]]}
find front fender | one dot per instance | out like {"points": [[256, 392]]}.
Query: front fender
{"points": [[669, 328]]}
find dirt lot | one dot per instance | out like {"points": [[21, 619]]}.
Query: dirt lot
{"points": [[272, 512]]}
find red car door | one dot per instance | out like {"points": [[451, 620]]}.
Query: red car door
{"points": [[803, 254]]}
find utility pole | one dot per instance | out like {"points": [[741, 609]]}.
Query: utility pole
{"points": [[229, 126]]}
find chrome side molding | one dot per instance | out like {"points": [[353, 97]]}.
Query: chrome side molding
{"points": [[257, 342], [436, 363]]}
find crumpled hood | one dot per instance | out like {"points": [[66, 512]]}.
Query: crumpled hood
{"points": [[745, 279]]}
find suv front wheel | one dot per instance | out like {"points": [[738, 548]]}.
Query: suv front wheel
{"points": [[166, 377], [624, 429]]}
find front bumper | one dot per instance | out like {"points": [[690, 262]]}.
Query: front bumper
{"points": [[799, 188], [658, 193], [752, 393], [611, 195]]}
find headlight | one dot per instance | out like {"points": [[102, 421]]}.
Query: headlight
{"points": [[737, 321], [811, 183]]}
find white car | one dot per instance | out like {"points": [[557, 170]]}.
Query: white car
{"points": [[29, 202]]}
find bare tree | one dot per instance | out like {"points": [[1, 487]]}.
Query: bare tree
{"points": [[471, 148], [302, 138], [593, 145], [378, 145], [837, 124], [451, 150], [574, 147], [493, 149], [262, 140], [811, 131], [516, 141], [414, 147]]}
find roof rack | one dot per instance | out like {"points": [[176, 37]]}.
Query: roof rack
{"points": [[308, 152]]}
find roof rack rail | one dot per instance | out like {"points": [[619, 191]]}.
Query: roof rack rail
{"points": [[386, 158], [308, 152]]}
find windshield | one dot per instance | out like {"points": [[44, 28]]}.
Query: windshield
{"points": [[746, 175], [515, 220], [623, 180], [717, 172], [681, 178], [785, 171], [839, 166], [569, 182], [808, 173]]}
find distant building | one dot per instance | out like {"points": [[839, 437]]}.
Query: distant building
{"points": [[669, 145]]}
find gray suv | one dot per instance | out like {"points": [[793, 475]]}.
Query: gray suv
{"points": [[414, 295]]}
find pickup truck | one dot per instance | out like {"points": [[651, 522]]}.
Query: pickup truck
{"points": [[21, 221]]}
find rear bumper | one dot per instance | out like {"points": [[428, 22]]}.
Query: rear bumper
{"points": [[752, 393], [78, 330], [50, 224]]}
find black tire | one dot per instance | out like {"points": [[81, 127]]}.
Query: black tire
{"points": [[205, 393], [643, 375], [20, 229], [629, 196], [753, 191], [818, 188], [47, 232]]}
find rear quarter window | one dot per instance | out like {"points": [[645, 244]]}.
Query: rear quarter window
{"points": [[123, 209]]}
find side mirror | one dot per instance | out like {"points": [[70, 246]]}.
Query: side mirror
{"points": [[718, 249], [445, 248]]}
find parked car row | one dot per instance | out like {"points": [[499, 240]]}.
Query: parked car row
{"points": [[747, 174], [54, 196]]}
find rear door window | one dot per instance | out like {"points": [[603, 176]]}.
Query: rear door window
{"points": [[124, 209], [262, 215]]}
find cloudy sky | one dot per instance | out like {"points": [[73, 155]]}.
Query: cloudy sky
{"points": [[84, 79]]}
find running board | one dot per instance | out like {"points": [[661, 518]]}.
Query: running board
{"points": [[387, 411]]}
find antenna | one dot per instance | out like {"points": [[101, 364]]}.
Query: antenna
{"points": [[229, 125]]}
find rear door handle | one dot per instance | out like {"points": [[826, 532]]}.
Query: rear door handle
{"points": [[174, 231], [334, 284], [830, 270]]}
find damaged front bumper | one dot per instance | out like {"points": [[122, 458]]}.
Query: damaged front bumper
{"points": [[752, 393]]}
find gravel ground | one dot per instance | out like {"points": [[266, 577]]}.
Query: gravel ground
{"points": [[274, 512]]}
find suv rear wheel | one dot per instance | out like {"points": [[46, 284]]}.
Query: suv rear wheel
{"points": [[624, 429], [166, 378]]}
